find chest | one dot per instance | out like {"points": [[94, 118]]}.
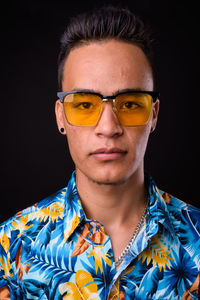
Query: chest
{"points": [[83, 268]]}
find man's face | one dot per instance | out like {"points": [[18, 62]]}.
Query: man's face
{"points": [[107, 153]]}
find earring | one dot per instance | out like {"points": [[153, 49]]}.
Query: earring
{"points": [[62, 130], [152, 129]]}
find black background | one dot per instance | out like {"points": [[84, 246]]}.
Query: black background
{"points": [[35, 161]]}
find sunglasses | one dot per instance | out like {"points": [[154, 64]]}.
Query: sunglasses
{"points": [[132, 108]]}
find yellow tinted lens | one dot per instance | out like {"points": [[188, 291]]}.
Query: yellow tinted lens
{"points": [[134, 109], [82, 109]]}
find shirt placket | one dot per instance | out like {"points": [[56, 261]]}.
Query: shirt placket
{"points": [[138, 246]]}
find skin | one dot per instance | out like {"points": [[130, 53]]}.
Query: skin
{"points": [[116, 179]]}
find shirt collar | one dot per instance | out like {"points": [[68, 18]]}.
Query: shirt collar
{"points": [[157, 209], [74, 213], [157, 215], [158, 212]]}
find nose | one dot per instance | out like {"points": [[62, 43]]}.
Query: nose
{"points": [[108, 124]]}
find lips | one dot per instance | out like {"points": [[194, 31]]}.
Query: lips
{"points": [[108, 153]]}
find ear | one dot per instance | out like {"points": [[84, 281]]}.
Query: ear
{"points": [[156, 106], [60, 116]]}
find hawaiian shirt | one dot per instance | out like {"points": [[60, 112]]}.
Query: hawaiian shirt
{"points": [[53, 251]]}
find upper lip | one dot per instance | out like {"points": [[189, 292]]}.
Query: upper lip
{"points": [[109, 150]]}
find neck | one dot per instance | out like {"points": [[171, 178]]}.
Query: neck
{"points": [[113, 205]]}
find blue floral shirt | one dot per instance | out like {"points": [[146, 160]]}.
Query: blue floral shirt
{"points": [[52, 251]]}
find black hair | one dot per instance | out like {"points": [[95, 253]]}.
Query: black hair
{"points": [[104, 23]]}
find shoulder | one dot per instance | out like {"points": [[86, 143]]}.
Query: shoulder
{"points": [[50, 207], [180, 209], [185, 219], [22, 229]]}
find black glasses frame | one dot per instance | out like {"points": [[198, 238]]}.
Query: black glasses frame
{"points": [[154, 95]]}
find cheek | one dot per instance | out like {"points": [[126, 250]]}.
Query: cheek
{"points": [[72, 140], [76, 142], [139, 140]]}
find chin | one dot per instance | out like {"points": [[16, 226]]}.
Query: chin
{"points": [[110, 173], [109, 182], [110, 177]]}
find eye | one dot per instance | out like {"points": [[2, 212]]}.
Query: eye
{"points": [[83, 105], [129, 105]]}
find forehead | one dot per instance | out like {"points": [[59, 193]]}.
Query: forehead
{"points": [[107, 66]]}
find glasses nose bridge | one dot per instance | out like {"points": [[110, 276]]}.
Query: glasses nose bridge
{"points": [[109, 99]]}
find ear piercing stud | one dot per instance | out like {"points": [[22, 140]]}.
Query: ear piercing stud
{"points": [[152, 129]]}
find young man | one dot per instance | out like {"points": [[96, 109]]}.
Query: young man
{"points": [[111, 234]]}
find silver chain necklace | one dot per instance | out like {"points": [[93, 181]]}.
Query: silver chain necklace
{"points": [[127, 248]]}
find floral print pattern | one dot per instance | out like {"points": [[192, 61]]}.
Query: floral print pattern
{"points": [[53, 251]]}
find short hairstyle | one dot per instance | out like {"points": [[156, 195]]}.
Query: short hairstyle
{"points": [[104, 23]]}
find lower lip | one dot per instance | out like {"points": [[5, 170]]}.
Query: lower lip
{"points": [[108, 156]]}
